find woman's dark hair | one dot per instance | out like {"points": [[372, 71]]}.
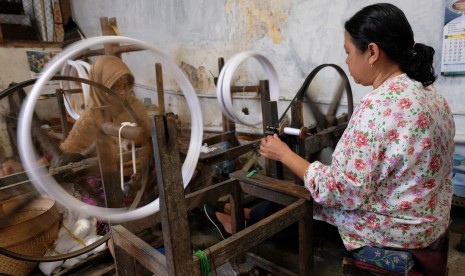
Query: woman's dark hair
{"points": [[387, 26]]}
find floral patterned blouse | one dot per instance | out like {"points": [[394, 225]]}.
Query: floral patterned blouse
{"points": [[389, 183]]}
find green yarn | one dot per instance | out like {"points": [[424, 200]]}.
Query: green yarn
{"points": [[251, 173], [204, 265]]}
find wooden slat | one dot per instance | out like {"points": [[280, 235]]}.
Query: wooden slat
{"points": [[215, 157], [284, 187], [215, 139], [145, 254]]}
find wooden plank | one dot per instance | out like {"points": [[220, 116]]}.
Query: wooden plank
{"points": [[215, 157], [160, 89], [215, 139], [267, 194], [281, 186], [145, 254], [173, 211]]}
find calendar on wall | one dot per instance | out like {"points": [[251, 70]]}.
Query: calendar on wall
{"points": [[453, 45]]}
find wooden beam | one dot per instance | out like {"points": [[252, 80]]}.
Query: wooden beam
{"points": [[160, 88], [141, 251], [173, 211]]}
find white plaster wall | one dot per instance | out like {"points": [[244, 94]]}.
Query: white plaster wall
{"points": [[295, 35]]}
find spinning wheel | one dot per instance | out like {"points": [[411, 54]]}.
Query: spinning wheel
{"points": [[324, 121], [327, 130], [48, 145], [329, 119], [45, 182]]}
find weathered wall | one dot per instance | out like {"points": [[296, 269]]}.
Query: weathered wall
{"points": [[295, 35], [15, 68]]}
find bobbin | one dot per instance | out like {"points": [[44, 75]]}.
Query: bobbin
{"points": [[302, 132]]}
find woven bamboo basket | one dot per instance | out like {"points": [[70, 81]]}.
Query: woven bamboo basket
{"points": [[32, 230]]}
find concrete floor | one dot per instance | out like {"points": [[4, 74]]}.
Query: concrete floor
{"points": [[328, 255]]}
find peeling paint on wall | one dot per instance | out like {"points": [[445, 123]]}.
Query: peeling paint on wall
{"points": [[200, 78], [257, 19]]}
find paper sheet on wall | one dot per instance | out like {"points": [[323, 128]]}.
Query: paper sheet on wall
{"points": [[453, 45]]}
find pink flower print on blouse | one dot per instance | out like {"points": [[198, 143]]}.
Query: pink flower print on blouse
{"points": [[396, 87], [426, 143], [435, 163], [404, 103], [392, 135], [387, 112], [423, 120], [429, 184], [362, 140]]}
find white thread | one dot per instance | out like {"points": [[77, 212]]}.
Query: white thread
{"points": [[133, 149], [292, 131], [223, 88], [45, 183]]}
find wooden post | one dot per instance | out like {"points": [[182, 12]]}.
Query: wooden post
{"points": [[297, 121], [65, 125], [160, 88], [105, 23], [173, 210], [107, 160], [111, 182], [270, 118]]}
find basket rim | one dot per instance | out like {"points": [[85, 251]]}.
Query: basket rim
{"points": [[11, 234]]}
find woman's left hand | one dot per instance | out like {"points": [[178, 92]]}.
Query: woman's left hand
{"points": [[272, 147]]}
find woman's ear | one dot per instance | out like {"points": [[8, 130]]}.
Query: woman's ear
{"points": [[373, 51]]}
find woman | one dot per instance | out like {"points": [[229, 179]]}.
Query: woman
{"points": [[113, 73], [389, 181]]}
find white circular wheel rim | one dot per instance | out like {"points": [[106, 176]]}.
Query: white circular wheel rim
{"points": [[82, 69], [223, 89], [46, 183]]}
